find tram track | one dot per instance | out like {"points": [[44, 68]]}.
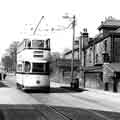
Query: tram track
{"points": [[77, 114], [94, 101], [104, 117], [50, 113], [66, 115]]}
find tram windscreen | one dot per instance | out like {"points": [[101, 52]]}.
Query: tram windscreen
{"points": [[40, 67], [38, 43], [27, 66]]}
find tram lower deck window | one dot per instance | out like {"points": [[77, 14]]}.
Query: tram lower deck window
{"points": [[27, 67], [38, 67], [19, 68]]}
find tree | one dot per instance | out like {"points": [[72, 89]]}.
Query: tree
{"points": [[10, 60], [7, 63], [55, 55]]}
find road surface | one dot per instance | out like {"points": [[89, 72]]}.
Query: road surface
{"points": [[62, 103]]}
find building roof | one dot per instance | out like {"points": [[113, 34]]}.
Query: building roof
{"points": [[117, 31], [70, 51], [110, 22], [113, 67], [99, 36]]}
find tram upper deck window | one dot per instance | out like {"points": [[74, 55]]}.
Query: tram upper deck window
{"points": [[38, 43], [28, 43], [47, 43]]}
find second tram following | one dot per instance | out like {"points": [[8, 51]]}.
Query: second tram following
{"points": [[33, 64]]}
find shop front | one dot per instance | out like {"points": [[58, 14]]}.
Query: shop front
{"points": [[111, 76]]}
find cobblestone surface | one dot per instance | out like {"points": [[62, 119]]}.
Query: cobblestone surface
{"points": [[44, 112]]}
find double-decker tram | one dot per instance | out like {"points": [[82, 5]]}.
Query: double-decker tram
{"points": [[33, 56]]}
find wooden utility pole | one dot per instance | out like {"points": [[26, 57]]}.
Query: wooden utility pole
{"points": [[72, 62]]}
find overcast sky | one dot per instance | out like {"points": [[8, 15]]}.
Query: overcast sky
{"points": [[14, 14]]}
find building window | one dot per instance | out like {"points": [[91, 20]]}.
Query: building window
{"points": [[96, 58], [90, 55], [105, 44]]}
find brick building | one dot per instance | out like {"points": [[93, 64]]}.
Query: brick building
{"points": [[100, 57]]}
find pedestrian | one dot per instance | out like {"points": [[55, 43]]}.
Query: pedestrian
{"points": [[4, 76]]}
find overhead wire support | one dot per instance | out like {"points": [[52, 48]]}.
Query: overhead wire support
{"points": [[52, 29], [62, 29], [69, 25]]}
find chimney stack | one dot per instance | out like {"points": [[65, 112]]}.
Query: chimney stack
{"points": [[85, 38]]}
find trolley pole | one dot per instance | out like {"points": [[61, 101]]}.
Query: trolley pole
{"points": [[72, 62]]}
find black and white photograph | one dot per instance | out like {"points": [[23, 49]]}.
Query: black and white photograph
{"points": [[59, 60]]}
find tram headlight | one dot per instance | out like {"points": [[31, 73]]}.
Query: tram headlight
{"points": [[38, 82]]}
